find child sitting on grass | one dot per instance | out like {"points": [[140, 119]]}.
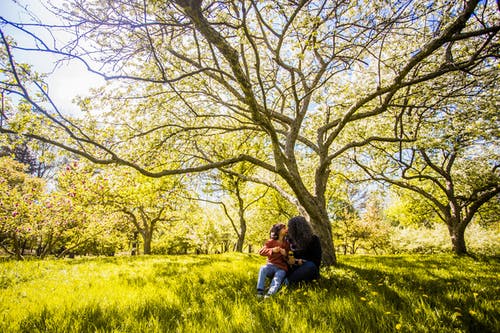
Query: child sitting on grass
{"points": [[276, 249]]}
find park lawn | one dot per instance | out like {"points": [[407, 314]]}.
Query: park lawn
{"points": [[216, 293]]}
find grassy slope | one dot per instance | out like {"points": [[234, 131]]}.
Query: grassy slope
{"points": [[215, 293]]}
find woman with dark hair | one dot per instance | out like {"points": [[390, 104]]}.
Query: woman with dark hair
{"points": [[306, 249]]}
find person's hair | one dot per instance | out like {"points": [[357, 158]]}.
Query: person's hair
{"points": [[300, 232], [274, 233]]}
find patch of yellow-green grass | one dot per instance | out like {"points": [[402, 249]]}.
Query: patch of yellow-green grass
{"points": [[216, 293]]}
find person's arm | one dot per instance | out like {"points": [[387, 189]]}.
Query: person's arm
{"points": [[267, 249]]}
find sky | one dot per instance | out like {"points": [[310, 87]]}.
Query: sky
{"points": [[68, 80]]}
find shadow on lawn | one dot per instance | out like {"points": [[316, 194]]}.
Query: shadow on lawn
{"points": [[406, 283]]}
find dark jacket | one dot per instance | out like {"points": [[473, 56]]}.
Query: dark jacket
{"points": [[312, 252]]}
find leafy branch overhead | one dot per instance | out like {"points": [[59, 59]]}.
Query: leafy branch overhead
{"points": [[301, 83]]}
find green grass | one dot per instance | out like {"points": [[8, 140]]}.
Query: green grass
{"points": [[216, 293]]}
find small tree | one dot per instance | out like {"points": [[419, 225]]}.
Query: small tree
{"points": [[144, 202], [20, 196]]}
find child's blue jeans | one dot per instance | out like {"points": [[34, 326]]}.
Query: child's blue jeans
{"points": [[276, 274]]}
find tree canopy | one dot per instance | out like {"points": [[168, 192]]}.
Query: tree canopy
{"points": [[303, 82]]}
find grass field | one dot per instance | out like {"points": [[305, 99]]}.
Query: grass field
{"points": [[216, 293]]}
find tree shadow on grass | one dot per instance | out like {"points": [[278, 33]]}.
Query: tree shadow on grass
{"points": [[406, 283]]}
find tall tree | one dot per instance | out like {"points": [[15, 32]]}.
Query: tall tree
{"points": [[301, 76], [454, 163]]}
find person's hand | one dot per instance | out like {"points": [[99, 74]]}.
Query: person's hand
{"points": [[276, 249], [283, 252]]}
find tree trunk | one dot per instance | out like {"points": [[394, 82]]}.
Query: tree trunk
{"points": [[239, 243], [456, 225], [323, 229], [49, 246], [17, 247], [457, 234], [315, 211], [243, 227], [147, 237], [134, 244]]}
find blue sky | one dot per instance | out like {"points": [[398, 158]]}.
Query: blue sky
{"points": [[66, 81]]}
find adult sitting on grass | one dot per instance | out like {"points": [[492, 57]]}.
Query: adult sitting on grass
{"points": [[306, 247]]}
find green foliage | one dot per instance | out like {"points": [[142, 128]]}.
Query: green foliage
{"points": [[20, 196], [215, 293], [271, 209], [404, 208], [354, 234], [417, 227], [435, 239], [63, 221], [357, 221], [488, 213], [129, 201], [291, 87]]}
